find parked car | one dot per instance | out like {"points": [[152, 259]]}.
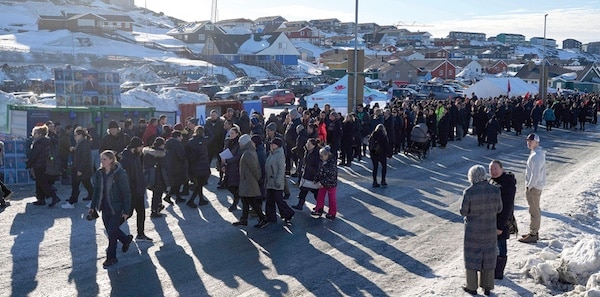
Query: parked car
{"points": [[409, 93], [229, 92], [209, 80], [245, 80], [255, 91], [8, 86], [277, 97], [440, 92], [298, 85], [210, 90]]}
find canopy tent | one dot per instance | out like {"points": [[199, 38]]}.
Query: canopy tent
{"points": [[337, 96], [497, 86]]}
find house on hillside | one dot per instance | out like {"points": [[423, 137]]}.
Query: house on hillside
{"points": [[368, 27], [304, 34], [327, 25], [196, 32], [416, 38], [395, 70], [86, 22], [239, 24], [270, 20], [122, 3], [409, 54], [270, 51], [494, 66], [346, 28], [438, 53], [443, 69], [531, 72], [571, 44], [586, 80]]}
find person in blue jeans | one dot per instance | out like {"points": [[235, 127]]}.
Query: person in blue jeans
{"points": [[112, 196]]}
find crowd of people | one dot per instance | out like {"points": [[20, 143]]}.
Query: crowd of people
{"points": [[254, 154]]}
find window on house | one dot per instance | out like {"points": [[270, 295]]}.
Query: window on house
{"points": [[397, 74], [201, 37], [441, 73], [450, 72], [209, 27], [185, 37], [302, 33]]}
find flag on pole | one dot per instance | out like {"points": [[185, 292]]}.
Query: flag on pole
{"points": [[508, 87], [527, 96]]}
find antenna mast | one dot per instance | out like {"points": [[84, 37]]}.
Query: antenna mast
{"points": [[213, 11]]}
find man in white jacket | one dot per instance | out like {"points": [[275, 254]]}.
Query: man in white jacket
{"points": [[535, 179]]}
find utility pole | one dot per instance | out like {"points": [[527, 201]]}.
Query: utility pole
{"points": [[543, 76]]}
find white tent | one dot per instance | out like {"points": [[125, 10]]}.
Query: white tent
{"points": [[496, 86], [337, 96]]}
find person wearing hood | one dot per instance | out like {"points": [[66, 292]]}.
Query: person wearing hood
{"points": [[249, 189], [37, 161], [197, 151], [155, 159], [132, 164], [177, 167], [535, 180], [275, 183], [231, 166], [81, 170], [508, 187], [112, 197], [115, 139]]}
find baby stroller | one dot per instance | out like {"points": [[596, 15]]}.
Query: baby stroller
{"points": [[420, 141]]}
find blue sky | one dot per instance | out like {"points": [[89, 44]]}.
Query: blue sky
{"points": [[566, 19]]}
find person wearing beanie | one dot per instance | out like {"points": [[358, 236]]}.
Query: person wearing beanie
{"points": [[275, 183], [256, 127], [132, 164], [249, 187], [535, 180], [155, 164], [115, 139]]}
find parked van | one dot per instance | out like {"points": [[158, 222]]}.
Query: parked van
{"points": [[255, 91], [440, 92]]}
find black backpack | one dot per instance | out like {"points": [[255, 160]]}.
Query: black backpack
{"points": [[374, 146]]}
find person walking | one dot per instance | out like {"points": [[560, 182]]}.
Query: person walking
{"points": [[549, 117], [327, 178], [198, 155], [81, 170], [177, 167], [231, 166], [274, 184], [155, 159], [379, 150], [37, 161], [309, 172], [480, 205], [250, 175], [112, 197], [131, 162], [492, 129], [508, 187], [535, 179]]}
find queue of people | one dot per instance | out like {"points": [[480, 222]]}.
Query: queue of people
{"points": [[254, 156]]}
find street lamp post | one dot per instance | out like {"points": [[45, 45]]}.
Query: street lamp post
{"points": [[355, 77], [543, 83]]}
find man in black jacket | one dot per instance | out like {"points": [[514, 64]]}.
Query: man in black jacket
{"points": [[116, 140], [132, 164]]}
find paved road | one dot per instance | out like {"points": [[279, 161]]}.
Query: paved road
{"points": [[385, 242]]}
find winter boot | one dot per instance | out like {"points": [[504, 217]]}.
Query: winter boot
{"points": [[500, 264]]}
